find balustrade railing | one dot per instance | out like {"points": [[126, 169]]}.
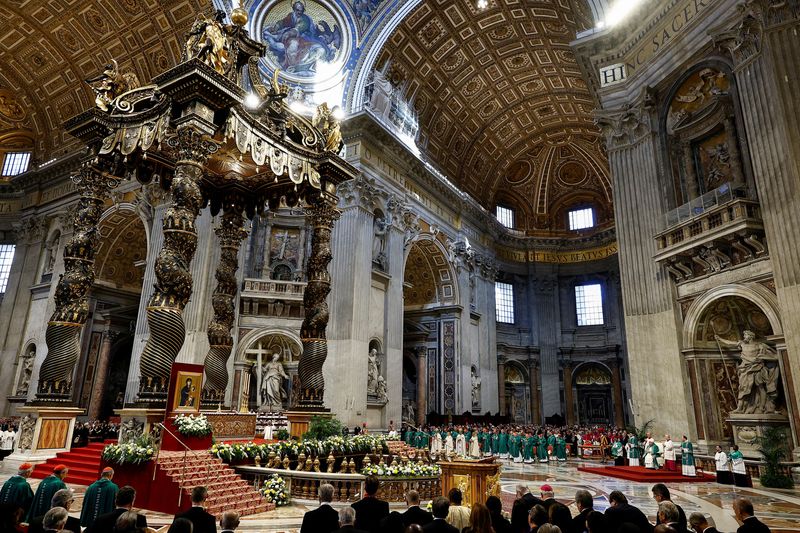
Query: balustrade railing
{"points": [[303, 485], [269, 288]]}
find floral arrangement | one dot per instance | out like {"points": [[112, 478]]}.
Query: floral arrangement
{"points": [[135, 452], [405, 470], [193, 426], [275, 491], [311, 448]]}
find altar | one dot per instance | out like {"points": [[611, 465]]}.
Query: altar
{"points": [[476, 478]]}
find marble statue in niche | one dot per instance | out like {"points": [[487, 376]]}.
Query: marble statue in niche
{"points": [[758, 374], [380, 226], [272, 390], [476, 388], [373, 372], [380, 390], [27, 371]]}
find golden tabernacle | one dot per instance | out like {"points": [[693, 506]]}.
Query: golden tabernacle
{"points": [[477, 478]]}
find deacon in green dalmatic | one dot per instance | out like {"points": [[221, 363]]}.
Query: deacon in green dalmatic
{"points": [[634, 453], [17, 490], [541, 448], [551, 447], [687, 458], [561, 448], [44, 493], [486, 443], [529, 448], [99, 498], [502, 445]]}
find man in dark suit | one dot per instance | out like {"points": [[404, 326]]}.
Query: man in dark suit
{"points": [[743, 509], [323, 519], [522, 506], [347, 517], [621, 512], [62, 498], [585, 504], [229, 522], [202, 521], [415, 515], [441, 506], [669, 516], [699, 524], [124, 502], [369, 509], [54, 520], [661, 494]]}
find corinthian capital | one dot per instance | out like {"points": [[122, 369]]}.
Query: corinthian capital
{"points": [[631, 123], [741, 37]]}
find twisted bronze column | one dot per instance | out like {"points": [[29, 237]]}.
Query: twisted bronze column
{"points": [[321, 215], [173, 278], [71, 296], [230, 233]]}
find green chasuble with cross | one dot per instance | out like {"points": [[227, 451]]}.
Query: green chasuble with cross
{"points": [[17, 490], [41, 501], [99, 500]]}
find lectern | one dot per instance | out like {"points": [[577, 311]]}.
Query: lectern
{"points": [[476, 478]]}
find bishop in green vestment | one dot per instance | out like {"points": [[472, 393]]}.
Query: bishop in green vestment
{"points": [[44, 493], [502, 444], [551, 447], [99, 498], [541, 448], [687, 458], [527, 452], [561, 448], [17, 490], [487, 443]]}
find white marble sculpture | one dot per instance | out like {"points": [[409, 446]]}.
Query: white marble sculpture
{"points": [[758, 375], [272, 390]]}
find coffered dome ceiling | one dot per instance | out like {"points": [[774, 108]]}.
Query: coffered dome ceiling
{"points": [[503, 107], [48, 47]]}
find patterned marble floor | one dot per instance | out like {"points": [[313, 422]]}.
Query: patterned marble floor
{"points": [[780, 509]]}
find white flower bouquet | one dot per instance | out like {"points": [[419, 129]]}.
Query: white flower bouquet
{"points": [[418, 469], [275, 490], [193, 426], [136, 452]]}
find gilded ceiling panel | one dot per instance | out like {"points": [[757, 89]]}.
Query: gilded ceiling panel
{"points": [[48, 47], [500, 94]]}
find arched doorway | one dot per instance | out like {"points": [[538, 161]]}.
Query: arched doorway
{"points": [[517, 393], [593, 385], [257, 355], [114, 298], [430, 327]]}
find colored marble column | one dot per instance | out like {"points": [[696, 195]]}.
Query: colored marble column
{"points": [[533, 377], [501, 385], [101, 375], [616, 376], [422, 385], [570, 408]]}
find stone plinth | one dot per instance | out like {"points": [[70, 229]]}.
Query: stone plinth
{"points": [[51, 434], [748, 427]]}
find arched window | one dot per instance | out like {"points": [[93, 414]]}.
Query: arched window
{"points": [[505, 215]]}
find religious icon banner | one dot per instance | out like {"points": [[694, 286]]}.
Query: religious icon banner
{"points": [[185, 384]]}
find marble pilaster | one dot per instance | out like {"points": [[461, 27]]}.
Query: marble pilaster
{"points": [[616, 378], [422, 384], [501, 385], [101, 375], [568, 396]]}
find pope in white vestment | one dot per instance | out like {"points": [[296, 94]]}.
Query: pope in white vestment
{"points": [[669, 454]]}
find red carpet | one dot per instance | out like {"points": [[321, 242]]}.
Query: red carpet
{"points": [[645, 475], [83, 463]]}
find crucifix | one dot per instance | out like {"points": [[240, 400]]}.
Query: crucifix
{"points": [[260, 354]]}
